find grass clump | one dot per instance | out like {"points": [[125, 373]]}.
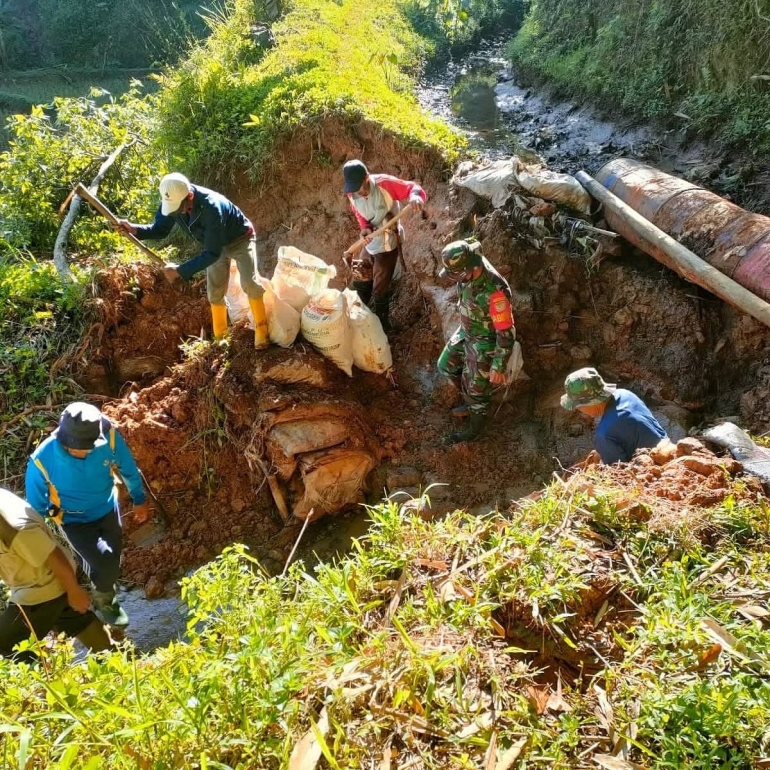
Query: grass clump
{"points": [[229, 105], [544, 638], [701, 65]]}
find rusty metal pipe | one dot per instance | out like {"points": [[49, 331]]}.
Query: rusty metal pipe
{"points": [[653, 241], [735, 241]]}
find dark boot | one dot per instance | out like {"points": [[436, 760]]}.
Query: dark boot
{"points": [[382, 311], [364, 289], [461, 412], [477, 421]]}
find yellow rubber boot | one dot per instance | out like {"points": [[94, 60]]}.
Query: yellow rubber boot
{"points": [[261, 339], [219, 320]]}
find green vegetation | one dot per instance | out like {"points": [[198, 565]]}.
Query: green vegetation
{"points": [[702, 64], [48, 155], [438, 640], [226, 108], [42, 327], [104, 34], [458, 23]]}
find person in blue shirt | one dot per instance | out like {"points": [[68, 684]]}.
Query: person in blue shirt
{"points": [[71, 478], [225, 233], [625, 423]]}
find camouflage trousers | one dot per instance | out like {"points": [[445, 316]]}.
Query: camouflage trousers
{"points": [[469, 361]]}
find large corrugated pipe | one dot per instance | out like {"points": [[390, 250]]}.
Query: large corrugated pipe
{"points": [[735, 241], [653, 241]]}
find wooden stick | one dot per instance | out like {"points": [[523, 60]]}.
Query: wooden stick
{"points": [[361, 241], [60, 246], [653, 241], [296, 542], [85, 193]]}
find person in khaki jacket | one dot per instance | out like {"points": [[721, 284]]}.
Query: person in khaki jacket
{"points": [[45, 593], [225, 233]]}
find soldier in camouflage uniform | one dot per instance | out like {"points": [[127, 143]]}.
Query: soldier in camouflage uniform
{"points": [[476, 356]]}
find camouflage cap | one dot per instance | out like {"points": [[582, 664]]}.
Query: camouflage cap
{"points": [[457, 257], [585, 387]]}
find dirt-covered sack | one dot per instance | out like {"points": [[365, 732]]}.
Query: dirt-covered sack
{"points": [[283, 321], [236, 299], [298, 276], [326, 327], [559, 188], [371, 349], [332, 479], [494, 181]]}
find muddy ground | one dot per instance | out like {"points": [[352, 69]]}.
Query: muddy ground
{"points": [[200, 425]]}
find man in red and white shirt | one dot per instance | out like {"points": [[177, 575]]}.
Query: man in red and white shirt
{"points": [[374, 199]]}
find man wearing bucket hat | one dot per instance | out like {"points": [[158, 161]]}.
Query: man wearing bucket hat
{"points": [[41, 575], [225, 233], [71, 477], [476, 356], [374, 199], [625, 423]]}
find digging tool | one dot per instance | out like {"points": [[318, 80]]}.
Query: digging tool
{"points": [[86, 194], [362, 241], [154, 530]]}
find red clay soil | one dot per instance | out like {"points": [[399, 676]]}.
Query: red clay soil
{"points": [[198, 427], [143, 319]]}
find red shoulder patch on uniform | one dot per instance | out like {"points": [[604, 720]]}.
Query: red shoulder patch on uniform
{"points": [[500, 311]]}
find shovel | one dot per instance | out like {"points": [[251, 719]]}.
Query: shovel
{"points": [[154, 530], [87, 195], [361, 241]]}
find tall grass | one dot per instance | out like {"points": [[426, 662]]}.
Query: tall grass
{"points": [[705, 60], [440, 645], [230, 103]]}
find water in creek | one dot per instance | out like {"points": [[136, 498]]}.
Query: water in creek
{"points": [[481, 96]]}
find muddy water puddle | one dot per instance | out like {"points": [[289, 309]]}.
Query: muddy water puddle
{"points": [[480, 95]]}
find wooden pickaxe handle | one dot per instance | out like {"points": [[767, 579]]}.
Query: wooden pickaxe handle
{"points": [[361, 241], [87, 195]]}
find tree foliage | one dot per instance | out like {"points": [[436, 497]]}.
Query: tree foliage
{"points": [[50, 153], [459, 22]]}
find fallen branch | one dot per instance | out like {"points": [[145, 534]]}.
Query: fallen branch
{"points": [[29, 410], [60, 246]]}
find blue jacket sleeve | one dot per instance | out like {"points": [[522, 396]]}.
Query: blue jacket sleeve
{"points": [[36, 488], [213, 243], [128, 470], [159, 229]]}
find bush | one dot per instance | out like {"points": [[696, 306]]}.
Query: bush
{"points": [[41, 322], [50, 153]]}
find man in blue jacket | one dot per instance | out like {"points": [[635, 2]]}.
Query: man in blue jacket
{"points": [[225, 233], [625, 423], [71, 477]]}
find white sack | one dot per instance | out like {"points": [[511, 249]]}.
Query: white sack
{"points": [[283, 321], [299, 275], [326, 327], [371, 349], [494, 181], [550, 186], [236, 299]]}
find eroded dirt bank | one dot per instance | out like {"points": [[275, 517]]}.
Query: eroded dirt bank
{"points": [[205, 430]]}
